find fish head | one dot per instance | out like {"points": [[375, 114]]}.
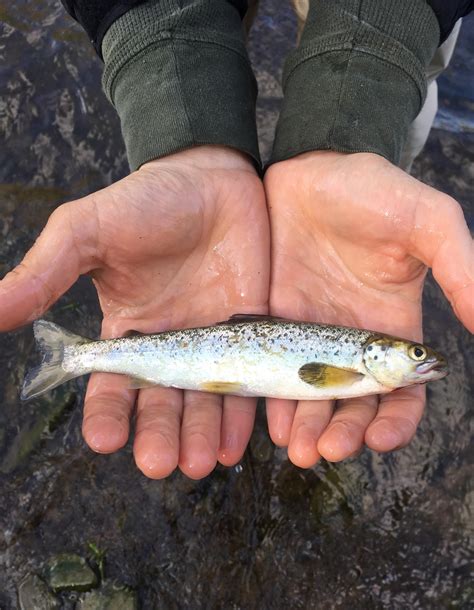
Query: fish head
{"points": [[396, 363]]}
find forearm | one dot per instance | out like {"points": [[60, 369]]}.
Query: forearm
{"points": [[179, 76], [357, 80]]}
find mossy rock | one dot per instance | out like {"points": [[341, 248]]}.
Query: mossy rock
{"points": [[70, 572], [109, 597]]}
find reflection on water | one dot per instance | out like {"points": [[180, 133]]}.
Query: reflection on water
{"points": [[392, 531]]}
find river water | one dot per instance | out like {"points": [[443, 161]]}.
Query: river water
{"points": [[377, 531]]}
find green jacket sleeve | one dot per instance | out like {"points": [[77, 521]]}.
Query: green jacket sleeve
{"points": [[357, 80], [178, 73]]}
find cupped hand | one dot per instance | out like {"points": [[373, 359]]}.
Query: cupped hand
{"points": [[352, 237], [183, 241]]}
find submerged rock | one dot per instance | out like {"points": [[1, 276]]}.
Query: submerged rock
{"points": [[70, 572], [33, 594], [39, 425], [109, 597]]}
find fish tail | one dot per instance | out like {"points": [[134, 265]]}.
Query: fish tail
{"points": [[51, 340]]}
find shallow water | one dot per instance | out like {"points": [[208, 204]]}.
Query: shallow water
{"points": [[392, 531]]}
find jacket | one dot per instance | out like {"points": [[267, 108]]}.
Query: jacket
{"points": [[179, 76]]}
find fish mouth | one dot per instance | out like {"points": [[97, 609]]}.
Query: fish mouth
{"points": [[437, 368]]}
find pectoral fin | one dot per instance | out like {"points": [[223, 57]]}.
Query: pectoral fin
{"points": [[325, 376], [221, 387]]}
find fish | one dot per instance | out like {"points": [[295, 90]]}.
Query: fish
{"points": [[247, 355]]}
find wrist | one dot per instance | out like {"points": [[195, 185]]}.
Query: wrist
{"points": [[325, 159], [206, 158]]}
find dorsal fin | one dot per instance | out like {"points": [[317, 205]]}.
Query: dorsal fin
{"points": [[134, 333], [241, 318]]}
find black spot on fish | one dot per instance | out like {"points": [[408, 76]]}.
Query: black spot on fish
{"points": [[369, 348], [383, 348], [376, 357]]}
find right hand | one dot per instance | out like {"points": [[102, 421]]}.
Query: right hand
{"points": [[183, 241], [352, 236]]}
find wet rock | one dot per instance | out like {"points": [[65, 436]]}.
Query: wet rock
{"points": [[32, 432], [33, 594], [70, 572], [109, 597]]}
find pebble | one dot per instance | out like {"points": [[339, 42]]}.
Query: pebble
{"points": [[109, 597], [33, 594], [70, 572]]}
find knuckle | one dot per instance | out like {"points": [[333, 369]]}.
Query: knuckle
{"points": [[197, 431]]}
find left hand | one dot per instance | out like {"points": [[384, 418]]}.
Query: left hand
{"points": [[352, 237], [181, 242]]}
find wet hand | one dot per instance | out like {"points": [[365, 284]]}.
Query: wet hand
{"points": [[182, 242], [352, 237]]}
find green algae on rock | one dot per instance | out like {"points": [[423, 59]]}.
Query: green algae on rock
{"points": [[70, 572], [109, 597]]}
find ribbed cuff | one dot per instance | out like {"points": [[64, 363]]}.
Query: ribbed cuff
{"points": [[357, 80], [179, 76]]}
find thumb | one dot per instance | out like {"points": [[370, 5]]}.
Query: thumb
{"points": [[64, 250], [441, 239]]}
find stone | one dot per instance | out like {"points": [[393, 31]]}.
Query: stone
{"points": [[33, 594], [70, 572], [109, 597], [36, 428]]}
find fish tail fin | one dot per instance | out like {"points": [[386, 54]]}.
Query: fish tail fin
{"points": [[51, 340]]}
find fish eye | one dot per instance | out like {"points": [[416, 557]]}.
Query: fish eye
{"points": [[417, 352]]}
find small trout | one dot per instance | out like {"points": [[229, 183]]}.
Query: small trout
{"points": [[247, 356]]}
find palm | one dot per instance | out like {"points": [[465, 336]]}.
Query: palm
{"points": [[181, 242], [350, 238], [180, 246]]}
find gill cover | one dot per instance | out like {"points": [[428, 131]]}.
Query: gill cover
{"points": [[387, 360]]}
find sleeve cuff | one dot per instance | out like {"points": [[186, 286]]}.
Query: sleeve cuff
{"points": [[180, 78], [358, 79]]}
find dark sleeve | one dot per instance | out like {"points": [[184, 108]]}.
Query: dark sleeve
{"points": [[96, 16], [357, 80], [448, 12], [178, 74]]}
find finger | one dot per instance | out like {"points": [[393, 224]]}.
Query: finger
{"points": [[200, 433], [107, 409], [238, 416], [345, 434], [157, 430], [441, 239], [61, 253], [397, 419], [280, 414], [311, 418]]}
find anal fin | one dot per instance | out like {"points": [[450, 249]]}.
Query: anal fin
{"points": [[241, 318], [221, 387]]}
